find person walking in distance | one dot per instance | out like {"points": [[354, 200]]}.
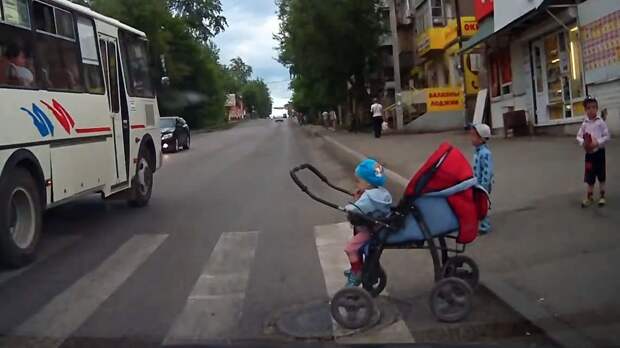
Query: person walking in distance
{"points": [[377, 117]]}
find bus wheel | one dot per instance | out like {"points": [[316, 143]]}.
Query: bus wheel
{"points": [[143, 181], [21, 218]]}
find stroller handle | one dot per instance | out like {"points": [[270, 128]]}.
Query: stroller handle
{"points": [[320, 175]]}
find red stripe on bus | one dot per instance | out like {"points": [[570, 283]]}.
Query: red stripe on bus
{"points": [[93, 130], [137, 126]]}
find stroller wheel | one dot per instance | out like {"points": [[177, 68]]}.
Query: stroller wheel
{"points": [[352, 308], [375, 285], [451, 300], [462, 267]]}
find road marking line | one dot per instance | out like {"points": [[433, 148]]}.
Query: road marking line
{"points": [[66, 312], [213, 309], [57, 246], [330, 243]]}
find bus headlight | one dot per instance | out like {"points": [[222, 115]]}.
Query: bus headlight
{"points": [[166, 136]]}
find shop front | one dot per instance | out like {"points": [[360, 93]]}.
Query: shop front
{"points": [[559, 87], [534, 63]]}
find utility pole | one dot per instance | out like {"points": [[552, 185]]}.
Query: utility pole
{"points": [[396, 58], [459, 38]]}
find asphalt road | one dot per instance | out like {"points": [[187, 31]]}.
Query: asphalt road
{"points": [[226, 243]]}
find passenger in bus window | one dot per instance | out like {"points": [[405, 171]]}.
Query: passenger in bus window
{"points": [[14, 67]]}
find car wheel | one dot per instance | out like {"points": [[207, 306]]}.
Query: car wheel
{"points": [[21, 218], [143, 181], [187, 142]]}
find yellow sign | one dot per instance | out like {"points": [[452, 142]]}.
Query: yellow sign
{"points": [[444, 99], [472, 82], [469, 26]]}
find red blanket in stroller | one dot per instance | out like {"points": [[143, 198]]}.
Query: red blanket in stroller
{"points": [[445, 168]]}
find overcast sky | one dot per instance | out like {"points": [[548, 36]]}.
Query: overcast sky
{"points": [[251, 25]]}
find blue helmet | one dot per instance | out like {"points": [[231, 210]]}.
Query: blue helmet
{"points": [[371, 171]]}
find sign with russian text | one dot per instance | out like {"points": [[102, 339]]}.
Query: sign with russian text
{"points": [[444, 99]]}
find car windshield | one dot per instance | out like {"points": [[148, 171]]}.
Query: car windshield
{"points": [[167, 122], [309, 172]]}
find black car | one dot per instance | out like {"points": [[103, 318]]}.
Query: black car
{"points": [[174, 134]]}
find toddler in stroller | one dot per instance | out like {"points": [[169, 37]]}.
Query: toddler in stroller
{"points": [[440, 212], [371, 199]]}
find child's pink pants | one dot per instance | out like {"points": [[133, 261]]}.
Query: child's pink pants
{"points": [[355, 243]]}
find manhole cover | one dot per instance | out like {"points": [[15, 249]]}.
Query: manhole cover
{"points": [[314, 320]]}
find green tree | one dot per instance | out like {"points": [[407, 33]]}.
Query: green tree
{"points": [[256, 98], [202, 16], [239, 70], [328, 46]]}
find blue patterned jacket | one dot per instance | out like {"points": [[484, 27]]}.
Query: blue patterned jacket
{"points": [[483, 166]]}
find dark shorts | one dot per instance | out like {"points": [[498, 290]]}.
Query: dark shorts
{"points": [[595, 167]]}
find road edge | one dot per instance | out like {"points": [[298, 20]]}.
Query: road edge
{"points": [[561, 333]]}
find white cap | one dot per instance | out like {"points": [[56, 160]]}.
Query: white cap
{"points": [[483, 130]]}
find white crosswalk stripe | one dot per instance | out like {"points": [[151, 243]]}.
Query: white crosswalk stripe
{"points": [[330, 243], [214, 307], [70, 309]]}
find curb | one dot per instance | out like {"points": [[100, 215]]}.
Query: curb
{"points": [[561, 333]]}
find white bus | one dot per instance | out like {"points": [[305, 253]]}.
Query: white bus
{"points": [[78, 115]]}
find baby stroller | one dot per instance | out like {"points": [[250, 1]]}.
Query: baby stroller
{"points": [[439, 211]]}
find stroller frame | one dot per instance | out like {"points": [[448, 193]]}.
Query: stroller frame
{"points": [[447, 260]]}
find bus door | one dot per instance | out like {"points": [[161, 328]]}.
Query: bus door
{"points": [[109, 52]]}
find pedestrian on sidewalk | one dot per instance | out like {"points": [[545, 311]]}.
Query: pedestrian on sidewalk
{"points": [[371, 199], [325, 117], [377, 117], [480, 134], [592, 136]]}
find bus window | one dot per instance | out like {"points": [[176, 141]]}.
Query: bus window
{"points": [[104, 61], [113, 70], [64, 24], [16, 13], [136, 66], [90, 58], [16, 62], [57, 54]]}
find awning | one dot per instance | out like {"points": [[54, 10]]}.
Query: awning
{"points": [[485, 30]]}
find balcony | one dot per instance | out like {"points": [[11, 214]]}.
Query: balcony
{"points": [[440, 38]]}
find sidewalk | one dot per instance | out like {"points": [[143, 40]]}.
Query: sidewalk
{"points": [[549, 259]]}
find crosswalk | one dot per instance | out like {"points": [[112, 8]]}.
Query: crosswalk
{"points": [[212, 311]]}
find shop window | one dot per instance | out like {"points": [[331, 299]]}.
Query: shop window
{"points": [[90, 58], [15, 12], [563, 73], [136, 66], [500, 73], [16, 59], [577, 88]]}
